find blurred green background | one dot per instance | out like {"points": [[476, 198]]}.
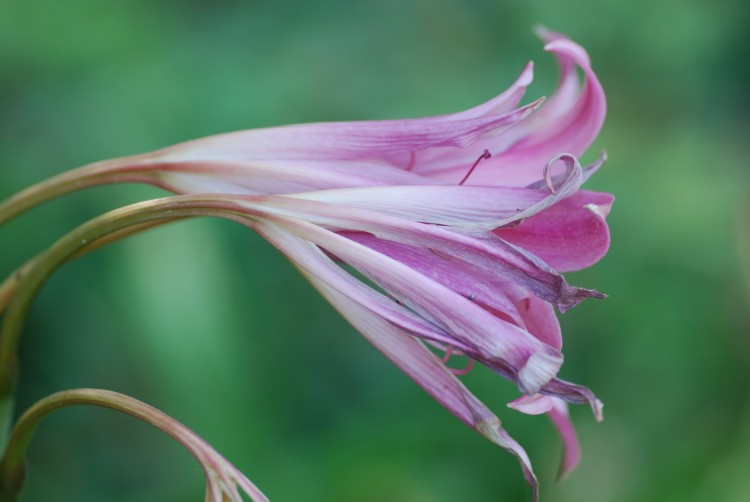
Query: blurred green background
{"points": [[207, 322]]}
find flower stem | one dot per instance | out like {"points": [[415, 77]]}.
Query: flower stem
{"points": [[20, 289], [12, 464], [100, 173]]}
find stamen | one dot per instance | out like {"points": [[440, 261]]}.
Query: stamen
{"points": [[448, 354], [485, 155], [464, 371], [450, 351]]}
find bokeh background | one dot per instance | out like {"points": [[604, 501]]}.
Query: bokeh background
{"points": [[207, 322]]}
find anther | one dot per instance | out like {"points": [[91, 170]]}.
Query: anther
{"points": [[485, 155]]}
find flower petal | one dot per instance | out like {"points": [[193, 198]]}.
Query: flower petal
{"points": [[573, 393], [532, 405], [484, 250], [504, 347], [571, 235], [458, 206], [422, 366], [465, 279], [336, 141], [540, 320], [405, 351], [257, 177], [571, 447], [567, 122], [557, 410]]}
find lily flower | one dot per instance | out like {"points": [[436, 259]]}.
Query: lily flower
{"points": [[437, 274], [433, 272], [456, 222]]}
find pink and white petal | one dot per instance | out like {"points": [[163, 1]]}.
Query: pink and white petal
{"points": [[571, 235], [386, 333], [532, 405], [467, 280], [574, 393], [484, 250], [339, 141], [557, 410], [422, 366], [540, 320], [274, 177], [571, 447], [503, 346], [459, 206], [568, 122], [502, 103], [313, 261]]}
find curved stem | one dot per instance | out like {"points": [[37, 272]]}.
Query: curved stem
{"points": [[220, 474], [109, 171], [10, 284], [22, 287]]}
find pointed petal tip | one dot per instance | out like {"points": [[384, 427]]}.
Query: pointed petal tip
{"points": [[566, 47], [600, 211], [527, 75], [491, 429], [537, 103], [571, 454], [574, 296], [544, 33], [598, 408]]}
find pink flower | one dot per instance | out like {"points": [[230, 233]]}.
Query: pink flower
{"points": [[457, 220], [443, 276]]}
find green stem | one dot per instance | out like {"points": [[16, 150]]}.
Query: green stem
{"points": [[109, 171], [22, 287], [12, 464]]}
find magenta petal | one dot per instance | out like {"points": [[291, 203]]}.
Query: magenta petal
{"points": [[571, 447], [461, 206], [463, 278], [258, 177], [427, 297], [532, 405], [412, 357], [503, 103], [571, 235], [573, 393], [408, 353], [338, 141], [540, 320], [484, 250], [568, 122]]}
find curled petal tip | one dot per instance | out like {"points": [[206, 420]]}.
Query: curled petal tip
{"points": [[571, 165]]}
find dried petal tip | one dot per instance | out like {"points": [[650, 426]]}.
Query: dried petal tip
{"points": [[539, 369]]}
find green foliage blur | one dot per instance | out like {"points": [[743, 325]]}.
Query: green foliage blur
{"points": [[207, 322]]}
